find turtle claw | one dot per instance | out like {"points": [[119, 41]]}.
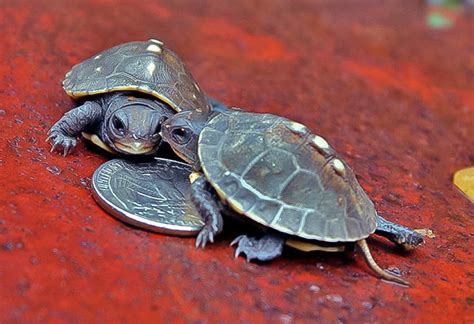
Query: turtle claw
{"points": [[236, 240], [239, 249], [205, 235], [265, 248], [409, 240], [60, 140], [416, 238]]}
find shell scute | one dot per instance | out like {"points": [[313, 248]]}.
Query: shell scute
{"points": [[265, 169], [281, 180], [291, 218], [266, 210], [136, 66], [246, 198], [302, 189]]}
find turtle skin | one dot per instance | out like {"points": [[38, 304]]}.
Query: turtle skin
{"points": [[277, 173], [144, 66]]}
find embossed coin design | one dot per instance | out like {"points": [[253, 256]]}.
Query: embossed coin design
{"points": [[152, 195]]}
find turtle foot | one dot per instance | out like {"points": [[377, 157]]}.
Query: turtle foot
{"points": [[410, 240], [206, 235], [58, 139], [265, 248], [403, 236]]}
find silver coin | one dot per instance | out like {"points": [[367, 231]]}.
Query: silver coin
{"points": [[152, 195]]}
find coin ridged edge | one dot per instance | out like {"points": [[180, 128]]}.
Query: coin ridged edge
{"points": [[134, 220]]}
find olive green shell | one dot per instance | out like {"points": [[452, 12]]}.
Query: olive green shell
{"points": [[276, 172], [147, 67]]}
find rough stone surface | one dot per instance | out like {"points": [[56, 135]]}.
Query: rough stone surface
{"points": [[394, 97]]}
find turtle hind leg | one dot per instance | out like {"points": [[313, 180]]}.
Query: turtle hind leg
{"points": [[266, 248], [399, 234], [375, 267]]}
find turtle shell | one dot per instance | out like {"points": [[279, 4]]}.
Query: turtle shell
{"points": [[277, 173], [147, 67]]}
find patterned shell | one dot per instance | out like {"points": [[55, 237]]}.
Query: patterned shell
{"points": [[276, 172], [147, 67]]}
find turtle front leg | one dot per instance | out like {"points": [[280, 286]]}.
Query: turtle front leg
{"points": [[208, 207], [65, 131], [266, 248], [399, 234]]}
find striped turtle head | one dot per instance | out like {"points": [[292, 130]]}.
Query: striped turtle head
{"points": [[132, 126]]}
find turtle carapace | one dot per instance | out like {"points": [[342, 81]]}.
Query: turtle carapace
{"points": [[125, 93], [276, 173]]}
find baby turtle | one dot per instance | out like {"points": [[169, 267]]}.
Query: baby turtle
{"points": [[276, 173], [126, 92]]}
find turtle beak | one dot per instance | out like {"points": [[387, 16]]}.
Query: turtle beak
{"points": [[137, 146], [134, 148]]}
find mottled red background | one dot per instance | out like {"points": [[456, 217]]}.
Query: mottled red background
{"points": [[393, 96]]}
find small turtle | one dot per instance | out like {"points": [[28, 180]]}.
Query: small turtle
{"points": [[279, 175], [127, 92]]}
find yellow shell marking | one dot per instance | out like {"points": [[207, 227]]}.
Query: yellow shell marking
{"points": [[87, 136], [97, 141], [157, 41], [193, 176], [79, 94], [310, 247], [296, 127], [320, 142], [154, 48], [238, 207], [338, 166]]}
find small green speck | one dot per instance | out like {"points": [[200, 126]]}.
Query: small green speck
{"points": [[438, 20]]}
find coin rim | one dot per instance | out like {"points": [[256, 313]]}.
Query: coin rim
{"points": [[137, 221]]}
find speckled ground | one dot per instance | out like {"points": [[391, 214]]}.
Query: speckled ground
{"points": [[394, 97]]}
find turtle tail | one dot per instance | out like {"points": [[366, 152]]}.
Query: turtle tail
{"points": [[375, 267]]}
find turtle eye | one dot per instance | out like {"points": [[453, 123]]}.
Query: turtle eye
{"points": [[118, 125], [180, 135]]}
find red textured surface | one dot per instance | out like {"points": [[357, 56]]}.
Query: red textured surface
{"points": [[395, 98]]}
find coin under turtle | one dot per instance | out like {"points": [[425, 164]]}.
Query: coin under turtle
{"points": [[276, 173], [125, 93], [150, 195]]}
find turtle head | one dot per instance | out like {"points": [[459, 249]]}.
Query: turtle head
{"points": [[182, 131], [134, 128]]}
